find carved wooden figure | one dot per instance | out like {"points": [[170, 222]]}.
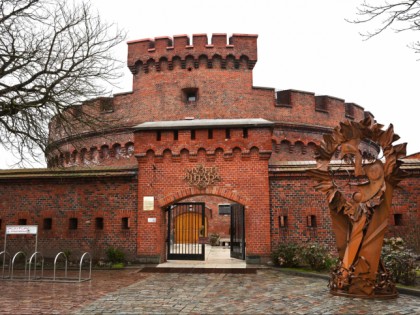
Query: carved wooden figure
{"points": [[360, 208]]}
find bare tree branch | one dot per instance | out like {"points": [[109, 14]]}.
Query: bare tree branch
{"points": [[395, 14], [53, 56]]}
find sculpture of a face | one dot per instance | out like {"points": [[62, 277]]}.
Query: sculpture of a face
{"points": [[368, 179]]}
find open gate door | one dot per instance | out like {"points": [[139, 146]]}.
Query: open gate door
{"points": [[186, 226], [237, 231]]}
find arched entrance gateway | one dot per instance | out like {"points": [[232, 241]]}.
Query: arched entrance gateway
{"points": [[210, 158]]}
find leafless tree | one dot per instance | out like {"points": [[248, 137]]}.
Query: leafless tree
{"points": [[54, 54], [395, 14]]}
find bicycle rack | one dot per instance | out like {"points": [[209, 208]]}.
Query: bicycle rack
{"points": [[90, 267], [65, 264], [4, 253], [13, 262], [30, 262]]}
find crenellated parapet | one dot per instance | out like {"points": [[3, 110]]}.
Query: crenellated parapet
{"points": [[240, 50]]}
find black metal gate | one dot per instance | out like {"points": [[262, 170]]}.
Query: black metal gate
{"points": [[237, 231], [186, 231]]}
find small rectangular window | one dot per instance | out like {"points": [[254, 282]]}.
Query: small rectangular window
{"points": [[175, 135], [192, 134], [311, 221], [125, 223], [227, 133], [158, 135], [224, 209], [190, 95], [47, 224], [210, 134], [283, 221], [22, 222], [245, 133], [99, 223], [73, 224], [398, 219]]}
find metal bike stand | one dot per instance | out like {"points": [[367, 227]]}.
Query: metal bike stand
{"points": [[30, 262], [4, 253], [80, 267], [65, 264], [13, 262]]}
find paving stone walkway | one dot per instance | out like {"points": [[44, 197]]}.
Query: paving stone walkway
{"points": [[132, 292]]}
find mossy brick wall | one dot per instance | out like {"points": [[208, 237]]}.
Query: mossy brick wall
{"points": [[61, 199]]}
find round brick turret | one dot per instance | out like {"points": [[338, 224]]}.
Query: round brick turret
{"points": [[177, 79]]}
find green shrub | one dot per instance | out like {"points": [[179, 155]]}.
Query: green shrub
{"points": [[115, 255], [286, 255], [316, 256], [399, 260]]}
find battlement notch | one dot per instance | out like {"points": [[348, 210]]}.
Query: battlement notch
{"points": [[238, 46]]}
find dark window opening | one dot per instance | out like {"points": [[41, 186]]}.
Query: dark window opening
{"points": [[47, 225], [227, 134], [311, 221], [245, 133], [283, 221], [125, 223], [210, 134], [99, 223], [77, 111], [158, 136], [192, 134], [175, 135], [190, 95], [224, 209], [1, 223], [73, 224], [349, 109], [398, 219], [107, 105], [22, 222]]}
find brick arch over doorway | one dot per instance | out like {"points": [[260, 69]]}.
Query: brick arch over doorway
{"points": [[193, 191]]}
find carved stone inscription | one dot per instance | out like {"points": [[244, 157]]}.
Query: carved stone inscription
{"points": [[201, 176]]}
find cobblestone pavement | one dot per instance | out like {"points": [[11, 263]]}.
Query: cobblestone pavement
{"points": [[132, 292]]}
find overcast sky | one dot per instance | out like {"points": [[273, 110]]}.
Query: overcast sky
{"points": [[304, 45]]}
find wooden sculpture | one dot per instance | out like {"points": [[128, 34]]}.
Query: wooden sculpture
{"points": [[360, 208]]}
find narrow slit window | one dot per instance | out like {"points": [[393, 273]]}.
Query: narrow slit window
{"points": [[125, 223], [245, 133], [398, 219], [311, 221], [283, 221], [210, 134], [99, 223], [158, 136], [47, 224], [73, 224], [192, 134], [175, 135], [227, 134]]}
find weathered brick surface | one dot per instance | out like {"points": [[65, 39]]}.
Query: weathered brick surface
{"points": [[61, 199]]}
